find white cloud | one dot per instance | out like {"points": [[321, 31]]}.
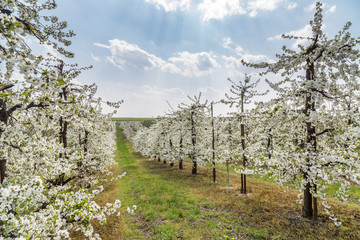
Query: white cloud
{"points": [[268, 5], [255, 6], [251, 58], [234, 65], [239, 50], [331, 9], [95, 58], [232, 62], [124, 54], [310, 7], [227, 43], [303, 32], [191, 64], [171, 5], [219, 9], [292, 6]]}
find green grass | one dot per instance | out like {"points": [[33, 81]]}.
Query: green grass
{"points": [[354, 192], [259, 234]]}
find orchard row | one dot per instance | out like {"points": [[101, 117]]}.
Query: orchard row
{"points": [[309, 135]]}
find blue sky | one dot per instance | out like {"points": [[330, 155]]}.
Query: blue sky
{"points": [[148, 51]]}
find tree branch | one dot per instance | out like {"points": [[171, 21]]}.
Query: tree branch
{"points": [[13, 108], [32, 104], [325, 94], [325, 131], [7, 86]]}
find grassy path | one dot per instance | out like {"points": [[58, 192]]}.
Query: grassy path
{"points": [[166, 207], [173, 204]]}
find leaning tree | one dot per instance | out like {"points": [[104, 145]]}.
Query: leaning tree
{"points": [[314, 79]]}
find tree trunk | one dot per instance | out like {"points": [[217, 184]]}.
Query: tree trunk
{"points": [[243, 177], [194, 168], [63, 124], [5, 114], [307, 210], [85, 146], [242, 134], [242, 183], [227, 173], [214, 172], [63, 134], [315, 217], [171, 146], [63, 128], [2, 170], [86, 139], [245, 191], [193, 141], [268, 145], [228, 160], [213, 142], [164, 145], [181, 161], [349, 122]]}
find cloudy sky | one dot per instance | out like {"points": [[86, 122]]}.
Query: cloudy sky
{"points": [[147, 52]]}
